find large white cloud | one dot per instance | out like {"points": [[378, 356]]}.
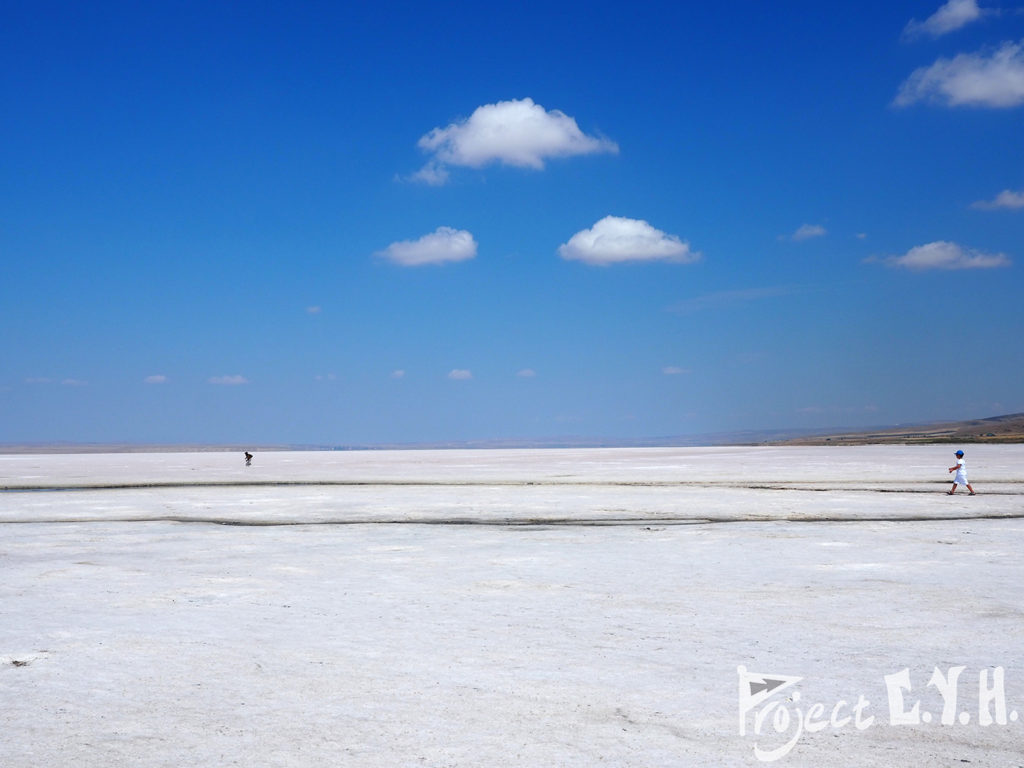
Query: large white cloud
{"points": [[518, 132], [985, 79], [1005, 199], [950, 17], [945, 255], [615, 239], [443, 245]]}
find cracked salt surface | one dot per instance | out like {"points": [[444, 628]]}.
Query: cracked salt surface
{"points": [[589, 618]]}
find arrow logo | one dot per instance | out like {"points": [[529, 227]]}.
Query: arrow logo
{"points": [[767, 685], [755, 688]]}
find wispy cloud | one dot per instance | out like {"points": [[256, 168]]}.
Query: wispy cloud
{"points": [[1005, 199], [945, 255], [722, 299], [989, 78], [615, 239], [674, 370], [433, 174], [837, 409], [158, 378], [520, 133], [398, 374], [229, 381], [948, 18], [313, 310], [526, 373], [460, 374], [805, 232], [439, 247]]}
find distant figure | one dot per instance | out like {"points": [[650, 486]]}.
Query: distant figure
{"points": [[248, 459], [961, 474]]}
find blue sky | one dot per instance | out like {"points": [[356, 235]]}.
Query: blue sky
{"points": [[335, 224]]}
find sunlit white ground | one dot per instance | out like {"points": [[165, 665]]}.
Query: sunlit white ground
{"points": [[485, 608]]}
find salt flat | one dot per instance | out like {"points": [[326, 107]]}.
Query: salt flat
{"points": [[521, 608]]}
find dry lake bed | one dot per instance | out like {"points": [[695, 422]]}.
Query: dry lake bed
{"points": [[619, 607]]}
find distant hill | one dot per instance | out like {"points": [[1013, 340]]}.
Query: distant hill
{"points": [[997, 429]]}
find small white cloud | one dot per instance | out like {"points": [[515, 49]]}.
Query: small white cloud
{"points": [[1005, 199], [460, 374], [432, 174], [985, 79], [950, 17], [313, 310], [526, 373], [615, 239], [862, 235], [229, 381], [674, 370], [398, 374], [807, 232], [519, 133], [439, 247], [74, 383], [325, 377], [946, 255], [156, 379]]}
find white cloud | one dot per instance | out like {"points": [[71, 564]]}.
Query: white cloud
{"points": [[520, 133], [325, 377], [615, 239], [398, 374], [156, 379], [314, 310], [1005, 199], [862, 235], [946, 255], [443, 245], [950, 17], [526, 373], [460, 374], [229, 381], [674, 370], [432, 174], [985, 79], [808, 231]]}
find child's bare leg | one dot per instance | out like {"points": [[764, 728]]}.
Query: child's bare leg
{"points": [[970, 489], [952, 490]]}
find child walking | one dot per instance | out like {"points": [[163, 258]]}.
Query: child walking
{"points": [[961, 475]]}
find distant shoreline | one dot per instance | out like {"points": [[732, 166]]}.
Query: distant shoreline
{"points": [[1008, 429]]}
